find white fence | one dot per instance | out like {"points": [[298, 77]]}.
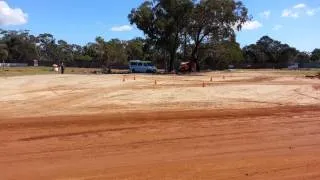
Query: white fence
{"points": [[13, 65]]}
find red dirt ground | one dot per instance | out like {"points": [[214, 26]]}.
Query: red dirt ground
{"points": [[252, 125], [273, 143]]}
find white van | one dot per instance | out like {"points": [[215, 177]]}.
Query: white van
{"points": [[138, 66], [294, 66]]}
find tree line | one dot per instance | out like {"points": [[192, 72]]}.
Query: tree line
{"points": [[23, 47], [202, 32], [270, 51]]}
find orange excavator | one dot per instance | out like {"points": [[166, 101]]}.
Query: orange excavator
{"points": [[188, 66]]}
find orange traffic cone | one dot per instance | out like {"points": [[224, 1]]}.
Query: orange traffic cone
{"points": [[155, 82], [134, 77], [203, 84], [211, 79]]}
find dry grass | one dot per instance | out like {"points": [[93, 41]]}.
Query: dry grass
{"points": [[283, 72], [20, 71]]}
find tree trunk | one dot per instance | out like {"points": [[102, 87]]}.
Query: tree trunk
{"points": [[185, 46], [194, 57], [171, 61], [197, 65]]}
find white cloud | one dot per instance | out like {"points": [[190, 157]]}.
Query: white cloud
{"points": [[299, 6], [11, 16], [251, 25], [299, 10], [265, 14], [295, 15], [121, 28], [286, 13], [290, 13], [312, 12], [277, 27]]}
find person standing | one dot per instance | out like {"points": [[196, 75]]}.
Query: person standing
{"points": [[62, 68]]}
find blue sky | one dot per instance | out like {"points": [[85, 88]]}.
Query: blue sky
{"points": [[296, 22]]}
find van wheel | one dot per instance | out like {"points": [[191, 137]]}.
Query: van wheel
{"points": [[133, 71]]}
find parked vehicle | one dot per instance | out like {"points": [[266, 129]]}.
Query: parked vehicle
{"points": [[187, 67], [294, 66], [138, 66]]}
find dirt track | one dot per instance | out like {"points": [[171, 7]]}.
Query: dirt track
{"points": [[244, 126]]}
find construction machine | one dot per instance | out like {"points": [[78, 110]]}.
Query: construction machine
{"points": [[188, 66]]}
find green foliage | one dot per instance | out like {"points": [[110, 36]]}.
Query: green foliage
{"points": [[315, 55], [267, 50], [176, 24], [229, 52], [116, 52], [21, 46], [135, 48], [302, 57], [213, 21], [83, 58], [163, 21], [221, 55], [3, 53]]}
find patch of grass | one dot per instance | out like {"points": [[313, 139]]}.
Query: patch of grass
{"points": [[71, 70], [21, 71], [18, 71], [302, 72], [285, 72]]}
